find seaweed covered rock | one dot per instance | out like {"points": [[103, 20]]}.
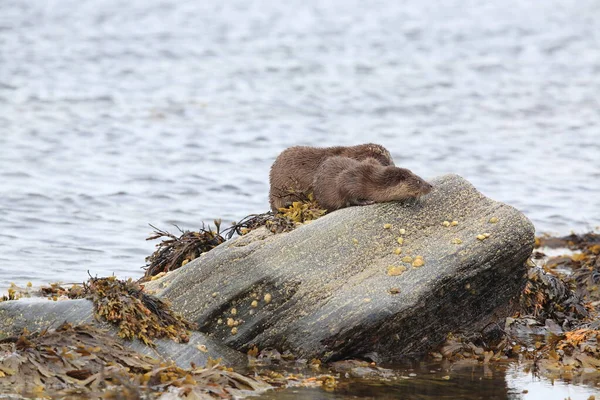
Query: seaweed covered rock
{"points": [[86, 362], [38, 314], [387, 279]]}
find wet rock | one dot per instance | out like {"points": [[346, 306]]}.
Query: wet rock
{"points": [[37, 314], [329, 294]]}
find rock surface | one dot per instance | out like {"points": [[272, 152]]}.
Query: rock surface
{"points": [[37, 314], [324, 290]]}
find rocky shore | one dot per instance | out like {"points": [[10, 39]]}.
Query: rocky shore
{"points": [[449, 276]]}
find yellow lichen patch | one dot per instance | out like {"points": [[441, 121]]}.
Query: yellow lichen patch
{"points": [[355, 241], [400, 240], [407, 259], [456, 241], [267, 298], [446, 223], [493, 220], [481, 237], [418, 263], [487, 235], [393, 270], [230, 322], [453, 223], [234, 331], [387, 226], [402, 231], [397, 250], [202, 348], [254, 303]]}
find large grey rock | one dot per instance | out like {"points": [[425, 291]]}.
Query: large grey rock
{"points": [[37, 314], [331, 296]]}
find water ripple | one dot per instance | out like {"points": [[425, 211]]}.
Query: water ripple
{"points": [[119, 113]]}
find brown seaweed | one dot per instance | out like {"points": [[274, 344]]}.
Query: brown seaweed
{"points": [[87, 362]]}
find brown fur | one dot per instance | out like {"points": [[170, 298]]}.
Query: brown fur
{"points": [[341, 182], [293, 171]]}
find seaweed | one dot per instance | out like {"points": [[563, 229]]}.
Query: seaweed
{"points": [[560, 301], [135, 313], [174, 252], [86, 362]]}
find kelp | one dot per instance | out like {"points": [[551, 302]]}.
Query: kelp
{"points": [[304, 210], [86, 362], [135, 313], [560, 301], [547, 296], [174, 252], [15, 293], [122, 303]]}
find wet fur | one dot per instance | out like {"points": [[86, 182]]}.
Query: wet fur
{"points": [[292, 174], [341, 182]]}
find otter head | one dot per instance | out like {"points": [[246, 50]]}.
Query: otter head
{"points": [[403, 184]]}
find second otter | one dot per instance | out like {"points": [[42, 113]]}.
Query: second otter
{"points": [[341, 182], [293, 171]]}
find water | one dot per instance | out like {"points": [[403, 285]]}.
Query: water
{"points": [[119, 113], [435, 381]]}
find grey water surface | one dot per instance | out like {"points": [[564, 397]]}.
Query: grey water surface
{"points": [[119, 113]]}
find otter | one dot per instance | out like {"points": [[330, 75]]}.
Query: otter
{"points": [[293, 171], [341, 182]]}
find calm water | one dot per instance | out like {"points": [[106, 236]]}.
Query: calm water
{"points": [[478, 382], [116, 114]]}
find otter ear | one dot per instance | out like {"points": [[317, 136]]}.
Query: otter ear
{"points": [[395, 175]]}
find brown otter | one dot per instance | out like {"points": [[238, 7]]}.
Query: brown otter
{"points": [[293, 171], [341, 182]]}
